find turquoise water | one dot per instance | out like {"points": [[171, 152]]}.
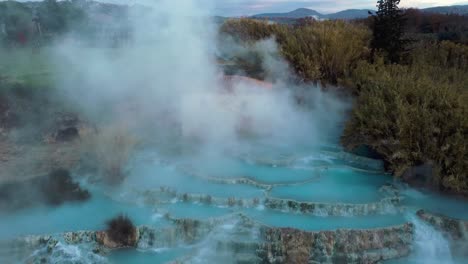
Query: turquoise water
{"points": [[316, 223], [155, 174], [449, 206], [155, 256], [236, 168], [322, 176], [349, 187], [90, 215], [196, 211]]}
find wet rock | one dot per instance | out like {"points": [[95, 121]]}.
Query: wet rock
{"points": [[390, 190], [54, 189], [165, 194], [241, 180], [231, 201], [286, 245], [147, 237], [188, 229], [80, 237], [419, 176], [361, 162], [17, 250], [67, 134], [454, 230], [236, 246], [388, 205], [385, 206], [272, 245]]}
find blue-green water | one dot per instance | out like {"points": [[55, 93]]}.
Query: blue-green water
{"points": [[328, 177], [348, 182]]}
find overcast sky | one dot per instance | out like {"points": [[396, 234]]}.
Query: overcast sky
{"points": [[250, 7]]}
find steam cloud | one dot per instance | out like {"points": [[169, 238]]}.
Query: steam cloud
{"points": [[165, 81]]}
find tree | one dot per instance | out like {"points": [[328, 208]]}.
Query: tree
{"points": [[388, 30]]}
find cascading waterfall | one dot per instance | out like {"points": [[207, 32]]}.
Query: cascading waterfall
{"points": [[430, 247]]}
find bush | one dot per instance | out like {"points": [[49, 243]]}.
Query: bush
{"points": [[445, 54], [247, 30], [325, 51], [413, 115], [53, 189], [59, 187], [122, 231], [109, 150]]}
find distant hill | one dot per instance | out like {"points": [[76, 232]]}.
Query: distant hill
{"points": [[457, 9], [298, 13], [355, 13], [305, 12], [350, 14]]}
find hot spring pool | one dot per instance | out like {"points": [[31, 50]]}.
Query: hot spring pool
{"points": [[324, 177]]}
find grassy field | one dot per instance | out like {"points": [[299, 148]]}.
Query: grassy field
{"points": [[26, 67]]}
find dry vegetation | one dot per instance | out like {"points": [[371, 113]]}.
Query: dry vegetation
{"points": [[109, 150], [411, 118], [411, 113], [122, 231], [316, 50]]}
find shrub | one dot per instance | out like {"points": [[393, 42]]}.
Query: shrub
{"points": [[109, 150], [326, 50], [413, 115], [59, 187], [445, 54], [122, 231], [53, 189], [247, 30], [410, 114]]}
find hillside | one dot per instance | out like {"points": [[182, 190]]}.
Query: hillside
{"points": [[457, 9], [350, 14], [305, 12], [298, 13], [355, 13]]}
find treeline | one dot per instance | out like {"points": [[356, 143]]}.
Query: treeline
{"points": [[35, 22], [441, 27], [412, 113], [25, 22], [422, 25]]}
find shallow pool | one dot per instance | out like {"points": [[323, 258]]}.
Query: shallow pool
{"points": [[323, 175]]}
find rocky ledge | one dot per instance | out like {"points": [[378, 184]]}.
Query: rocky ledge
{"points": [[286, 245], [454, 230], [268, 245], [385, 206], [390, 204]]}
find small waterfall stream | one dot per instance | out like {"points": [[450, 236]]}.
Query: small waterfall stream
{"points": [[430, 247]]}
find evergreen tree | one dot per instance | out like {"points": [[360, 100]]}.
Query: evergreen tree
{"points": [[388, 30]]}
